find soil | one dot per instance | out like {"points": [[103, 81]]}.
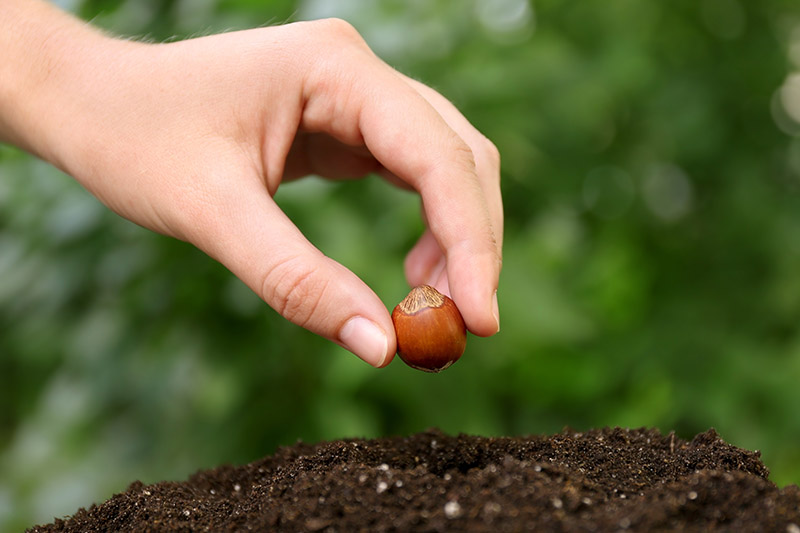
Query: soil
{"points": [[599, 480]]}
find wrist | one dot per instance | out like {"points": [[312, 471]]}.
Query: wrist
{"points": [[47, 52]]}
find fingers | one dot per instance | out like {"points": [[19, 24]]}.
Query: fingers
{"points": [[442, 168], [487, 158], [487, 167], [425, 256], [413, 141], [425, 263], [260, 245]]}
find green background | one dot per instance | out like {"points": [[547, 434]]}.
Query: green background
{"points": [[651, 176]]}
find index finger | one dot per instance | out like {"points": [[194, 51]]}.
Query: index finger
{"points": [[412, 140]]}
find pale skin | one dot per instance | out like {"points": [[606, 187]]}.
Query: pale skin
{"points": [[192, 139]]}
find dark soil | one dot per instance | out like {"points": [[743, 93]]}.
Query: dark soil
{"points": [[600, 480]]}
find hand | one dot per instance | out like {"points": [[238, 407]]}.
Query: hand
{"points": [[192, 139]]}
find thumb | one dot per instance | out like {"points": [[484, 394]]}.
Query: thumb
{"points": [[261, 246]]}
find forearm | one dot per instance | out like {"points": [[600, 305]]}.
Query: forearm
{"points": [[43, 53]]}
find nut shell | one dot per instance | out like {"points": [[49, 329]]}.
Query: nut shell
{"points": [[431, 334]]}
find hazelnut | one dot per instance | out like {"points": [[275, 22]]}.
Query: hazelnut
{"points": [[431, 334]]}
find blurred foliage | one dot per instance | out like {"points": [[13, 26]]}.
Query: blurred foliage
{"points": [[651, 179]]}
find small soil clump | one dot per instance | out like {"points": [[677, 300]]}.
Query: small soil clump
{"points": [[599, 480]]}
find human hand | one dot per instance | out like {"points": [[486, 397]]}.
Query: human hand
{"points": [[192, 139]]}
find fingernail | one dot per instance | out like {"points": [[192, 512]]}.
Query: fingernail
{"points": [[496, 310], [365, 339]]}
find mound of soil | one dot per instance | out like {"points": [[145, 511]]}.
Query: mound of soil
{"points": [[599, 480]]}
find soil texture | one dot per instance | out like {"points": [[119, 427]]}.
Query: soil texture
{"points": [[599, 480]]}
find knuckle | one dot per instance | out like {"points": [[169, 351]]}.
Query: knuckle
{"points": [[335, 76], [340, 30], [464, 154], [491, 152], [294, 290], [488, 154]]}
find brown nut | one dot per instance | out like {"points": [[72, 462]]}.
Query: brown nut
{"points": [[431, 334]]}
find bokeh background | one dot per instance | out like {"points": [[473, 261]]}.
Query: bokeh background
{"points": [[651, 175]]}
